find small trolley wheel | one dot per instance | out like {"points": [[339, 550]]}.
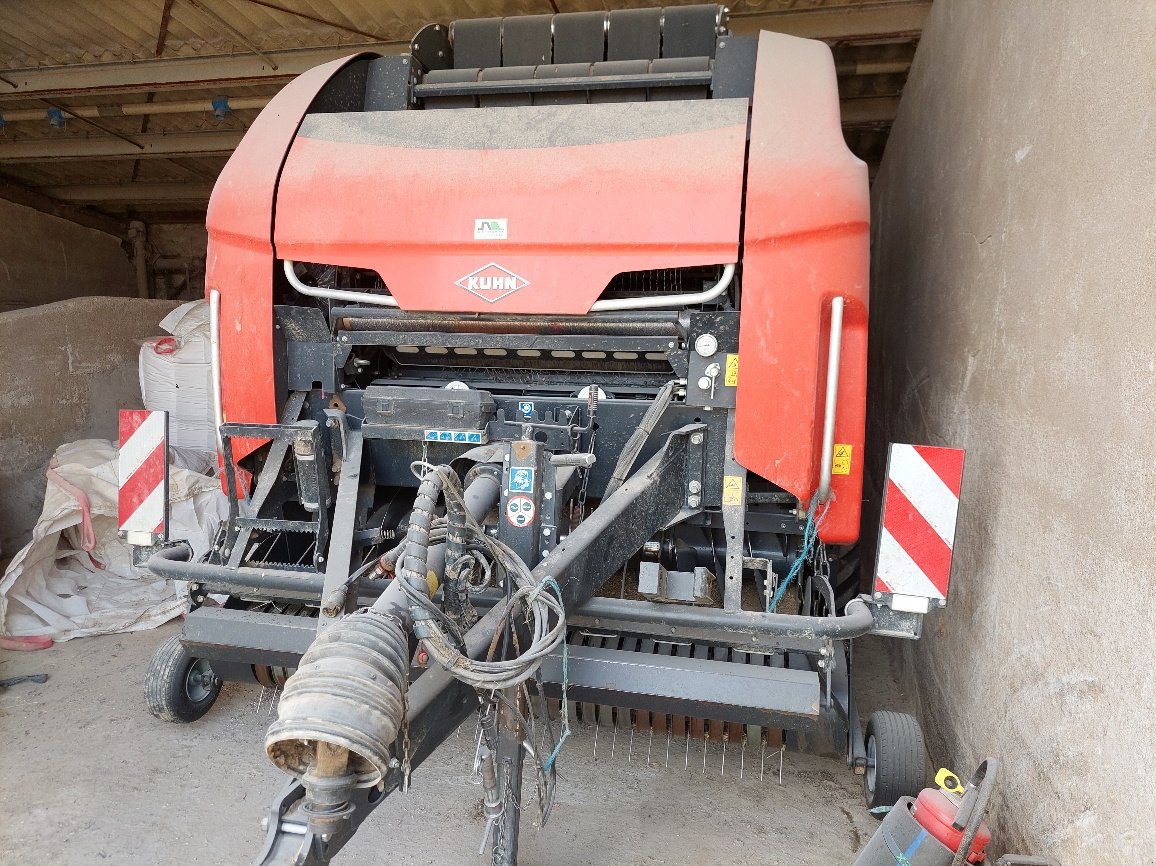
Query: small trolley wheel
{"points": [[179, 687], [896, 766]]}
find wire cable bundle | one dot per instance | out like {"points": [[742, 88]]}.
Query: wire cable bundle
{"points": [[542, 609]]}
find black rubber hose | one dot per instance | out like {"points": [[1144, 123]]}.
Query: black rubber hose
{"points": [[411, 567], [455, 590]]}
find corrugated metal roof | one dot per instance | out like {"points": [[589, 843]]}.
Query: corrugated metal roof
{"points": [[42, 35], [35, 33]]}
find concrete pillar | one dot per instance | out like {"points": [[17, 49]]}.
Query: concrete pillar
{"points": [[137, 235]]}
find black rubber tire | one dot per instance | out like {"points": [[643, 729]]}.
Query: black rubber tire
{"points": [[170, 695], [900, 762]]}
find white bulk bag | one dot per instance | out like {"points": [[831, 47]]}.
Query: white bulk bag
{"points": [[75, 578], [176, 375]]}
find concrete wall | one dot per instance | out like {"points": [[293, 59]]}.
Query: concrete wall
{"points": [[67, 369], [1014, 314], [44, 258]]}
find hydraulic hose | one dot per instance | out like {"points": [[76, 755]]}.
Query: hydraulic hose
{"points": [[539, 603]]}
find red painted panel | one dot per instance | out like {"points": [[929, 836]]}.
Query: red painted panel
{"points": [[806, 242], [240, 253], [577, 215]]}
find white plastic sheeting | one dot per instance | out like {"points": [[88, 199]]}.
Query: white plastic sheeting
{"points": [[176, 375], [75, 578]]}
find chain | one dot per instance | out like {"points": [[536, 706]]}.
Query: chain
{"points": [[822, 562], [822, 574], [592, 404], [406, 768], [585, 481]]}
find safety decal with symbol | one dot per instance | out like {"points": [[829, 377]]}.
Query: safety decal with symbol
{"points": [[520, 510], [522, 479], [526, 407], [841, 460], [731, 377], [732, 493]]}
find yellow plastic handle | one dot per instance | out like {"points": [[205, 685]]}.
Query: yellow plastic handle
{"points": [[948, 781]]}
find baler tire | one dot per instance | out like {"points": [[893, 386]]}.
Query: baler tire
{"points": [[900, 768], [171, 693]]}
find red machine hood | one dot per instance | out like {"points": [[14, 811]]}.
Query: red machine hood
{"points": [[580, 192]]}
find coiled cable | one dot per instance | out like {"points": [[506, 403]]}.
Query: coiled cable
{"points": [[542, 610]]}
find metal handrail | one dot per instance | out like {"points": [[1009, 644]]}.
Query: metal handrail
{"points": [[336, 294], [662, 301], [215, 359], [833, 352]]}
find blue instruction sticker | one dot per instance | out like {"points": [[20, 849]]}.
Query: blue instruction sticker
{"points": [[468, 436], [522, 479], [526, 407]]}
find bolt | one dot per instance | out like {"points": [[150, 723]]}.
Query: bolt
{"points": [[547, 495], [546, 530], [695, 438], [344, 338], [823, 664], [670, 345], [320, 558], [878, 596], [693, 501], [694, 487]]}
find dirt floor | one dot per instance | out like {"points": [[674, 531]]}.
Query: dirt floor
{"points": [[90, 777]]}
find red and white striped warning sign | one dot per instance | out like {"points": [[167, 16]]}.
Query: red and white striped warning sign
{"points": [[919, 512], [144, 472]]}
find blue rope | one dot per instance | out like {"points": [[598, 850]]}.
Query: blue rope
{"points": [[810, 534], [548, 764]]}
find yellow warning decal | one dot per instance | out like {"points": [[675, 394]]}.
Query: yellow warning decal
{"points": [[841, 461], [732, 490], [732, 375]]}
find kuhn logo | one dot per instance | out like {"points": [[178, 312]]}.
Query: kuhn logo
{"points": [[492, 282]]}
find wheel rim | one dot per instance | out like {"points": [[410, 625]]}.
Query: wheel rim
{"points": [[871, 765], [199, 681]]}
